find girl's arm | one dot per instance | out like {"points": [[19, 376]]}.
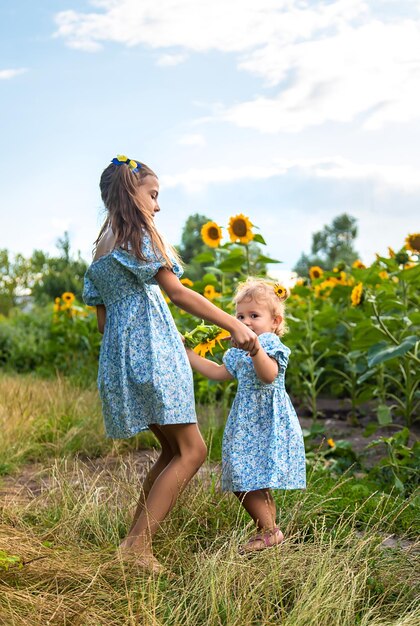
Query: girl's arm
{"points": [[101, 317], [209, 369], [198, 305], [265, 366]]}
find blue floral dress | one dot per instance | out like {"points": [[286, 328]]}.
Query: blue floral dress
{"points": [[262, 443], [144, 375]]}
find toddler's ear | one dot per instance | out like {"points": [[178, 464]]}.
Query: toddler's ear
{"points": [[277, 320]]}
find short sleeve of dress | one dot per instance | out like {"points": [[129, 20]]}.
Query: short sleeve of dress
{"points": [[145, 269], [230, 360], [91, 295], [275, 348]]}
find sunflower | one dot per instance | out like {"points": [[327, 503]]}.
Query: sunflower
{"points": [[383, 275], [402, 257], [224, 334], [331, 442], [211, 234], [240, 229], [412, 242], [280, 291], [358, 265], [210, 293], [68, 298], [204, 347], [315, 272], [187, 282], [356, 294]]}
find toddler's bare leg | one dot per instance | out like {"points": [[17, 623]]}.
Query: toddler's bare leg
{"points": [[190, 454], [261, 507]]}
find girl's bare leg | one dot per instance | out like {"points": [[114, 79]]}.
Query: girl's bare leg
{"points": [[164, 458], [262, 508], [189, 454]]}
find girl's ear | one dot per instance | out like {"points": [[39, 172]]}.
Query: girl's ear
{"points": [[277, 320]]}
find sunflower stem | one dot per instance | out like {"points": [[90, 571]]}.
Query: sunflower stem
{"points": [[248, 265]]}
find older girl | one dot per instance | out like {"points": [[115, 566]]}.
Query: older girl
{"points": [[144, 377]]}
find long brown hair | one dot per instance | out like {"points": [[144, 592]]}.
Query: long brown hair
{"points": [[126, 217]]}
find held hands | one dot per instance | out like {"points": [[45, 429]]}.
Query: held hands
{"points": [[245, 339]]}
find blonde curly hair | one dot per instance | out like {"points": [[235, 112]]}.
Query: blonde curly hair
{"points": [[264, 290]]}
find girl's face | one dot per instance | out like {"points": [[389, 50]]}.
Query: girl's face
{"points": [[147, 194], [257, 316]]}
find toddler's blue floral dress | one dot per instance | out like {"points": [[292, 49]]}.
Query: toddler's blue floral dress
{"points": [[262, 443], [144, 375]]}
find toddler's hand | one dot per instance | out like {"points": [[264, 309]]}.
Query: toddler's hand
{"points": [[244, 338]]}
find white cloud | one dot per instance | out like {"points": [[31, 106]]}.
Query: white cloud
{"points": [[372, 70], [332, 60], [405, 178], [233, 26], [169, 60], [7, 74], [193, 139]]}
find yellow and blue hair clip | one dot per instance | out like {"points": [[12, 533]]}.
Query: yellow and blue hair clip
{"points": [[121, 159]]}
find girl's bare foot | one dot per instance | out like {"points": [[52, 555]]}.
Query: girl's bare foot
{"points": [[268, 539], [145, 561]]}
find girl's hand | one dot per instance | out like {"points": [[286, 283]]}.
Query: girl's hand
{"points": [[244, 338]]}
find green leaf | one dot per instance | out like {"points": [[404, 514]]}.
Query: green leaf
{"points": [[383, 351], [232, 264], [204, 257], [210, 278], [266, 259], [259, 239], [410, 275], [361, 379], [214, 270], [398, 484], [370, 429], [383, 414]]}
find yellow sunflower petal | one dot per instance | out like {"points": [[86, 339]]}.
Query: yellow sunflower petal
{"points": [[412, 242], [68, 297], [211, 234], [315, 272], [356, 294], [359, 265], [240, 229], [187, 282]]}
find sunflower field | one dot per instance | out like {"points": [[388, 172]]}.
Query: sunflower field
{"points": [[353, 332]]}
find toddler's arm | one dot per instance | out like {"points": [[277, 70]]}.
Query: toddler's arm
{"points": [[210, 369], [198, 305], [265, 366]]}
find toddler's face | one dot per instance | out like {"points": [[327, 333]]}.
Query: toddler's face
{"points": [[257, 316], [147, 194]]}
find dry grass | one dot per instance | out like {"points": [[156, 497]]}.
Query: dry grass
{"points": [[64, 518], [65, 534]]}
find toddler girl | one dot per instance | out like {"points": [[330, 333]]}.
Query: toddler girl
{"points": [[144, 377], [262, 444]]}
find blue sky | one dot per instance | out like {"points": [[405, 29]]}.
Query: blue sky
{"points": [[291, 112]]}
